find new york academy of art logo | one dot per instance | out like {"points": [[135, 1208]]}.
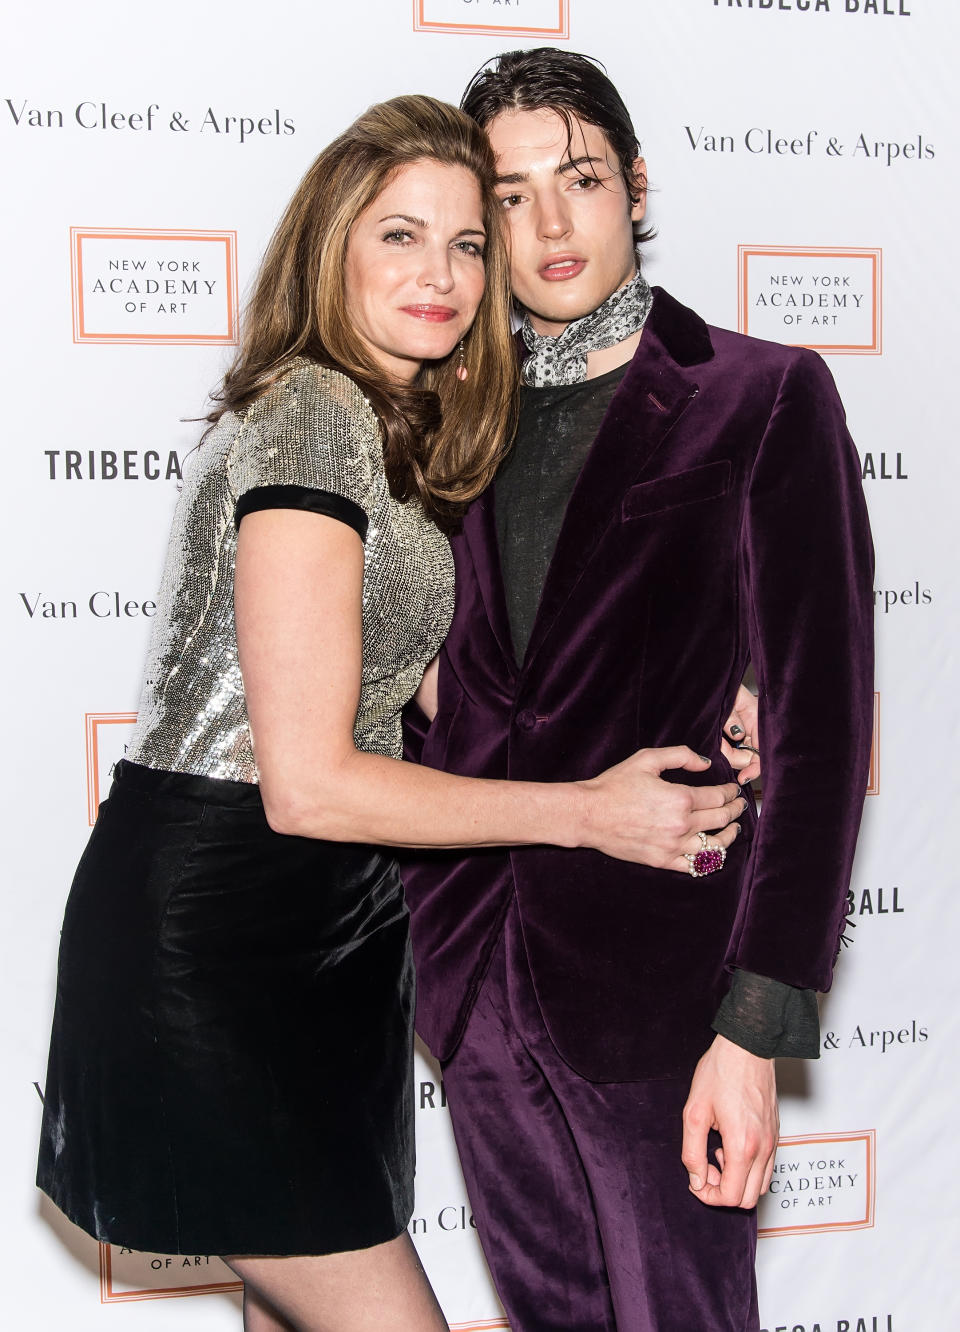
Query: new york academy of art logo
{"points": [[107, 736], [126, 1274], [822, 1182], [174, 287], [826, 299], [520, 18]]}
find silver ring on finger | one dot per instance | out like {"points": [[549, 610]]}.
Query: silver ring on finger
{"points": [[710, 858]]}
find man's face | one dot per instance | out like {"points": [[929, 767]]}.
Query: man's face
{"points": [[570, 217]]}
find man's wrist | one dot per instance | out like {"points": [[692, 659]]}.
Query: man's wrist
{"points": [[728, 1048]]}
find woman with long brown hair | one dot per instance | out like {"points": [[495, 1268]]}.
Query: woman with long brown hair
{"points": [[230, 1066]]}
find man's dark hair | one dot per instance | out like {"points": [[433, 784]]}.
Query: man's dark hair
{"points": [[573, 86]]}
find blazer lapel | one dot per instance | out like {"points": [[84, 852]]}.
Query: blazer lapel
{"points": [[658, 387], [480, 535]]}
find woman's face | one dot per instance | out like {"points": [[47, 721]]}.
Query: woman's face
{"points": [[414, 266]]}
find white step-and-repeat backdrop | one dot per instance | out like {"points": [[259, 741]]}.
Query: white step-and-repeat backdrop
{"points": [[803, 160]]}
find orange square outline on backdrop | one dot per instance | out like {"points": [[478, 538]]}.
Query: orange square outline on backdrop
{"points": [[92, 721], [873, 781], [110, 1296], [868, 1136], [227, 238], [422, 24], [811, 251]]}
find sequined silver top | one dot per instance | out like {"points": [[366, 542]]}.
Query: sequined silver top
{"points": [[313, 429]]}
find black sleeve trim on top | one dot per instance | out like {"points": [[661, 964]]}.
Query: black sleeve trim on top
{"points": [[303, 497]]}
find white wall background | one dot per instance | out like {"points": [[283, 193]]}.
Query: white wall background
{"points": [[829, 80]]}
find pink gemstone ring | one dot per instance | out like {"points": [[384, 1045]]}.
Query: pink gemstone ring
{"points": [[707, 860]]}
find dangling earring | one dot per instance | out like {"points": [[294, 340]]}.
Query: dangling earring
{"points": [[462, 371]]}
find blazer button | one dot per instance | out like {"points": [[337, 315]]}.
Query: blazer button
{"points": [[526, 719]]}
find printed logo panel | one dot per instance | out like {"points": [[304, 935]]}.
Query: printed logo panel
{"points": [[878, 1040], [522, 18], [823, 1182], [876, 8], [172, 287], [828, 300], [853, 1322], [126, 1275], [873, 782], [107, 734]]}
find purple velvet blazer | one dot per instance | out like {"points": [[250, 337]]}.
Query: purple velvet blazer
{"points": [[718, 519]]}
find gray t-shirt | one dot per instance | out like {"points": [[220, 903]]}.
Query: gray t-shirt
{"points": [[556, 428]]}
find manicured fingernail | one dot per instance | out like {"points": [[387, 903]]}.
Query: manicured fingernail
{"points": [[703, 758], [696, 1182], [736, 730]]}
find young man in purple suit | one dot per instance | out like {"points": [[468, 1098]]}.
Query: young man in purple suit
{"points": [[680, 502]]}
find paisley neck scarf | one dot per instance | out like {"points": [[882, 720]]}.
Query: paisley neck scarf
{"points": [[563, 360]]}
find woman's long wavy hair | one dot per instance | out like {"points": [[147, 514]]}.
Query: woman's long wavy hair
{"points": [[442, 436]]}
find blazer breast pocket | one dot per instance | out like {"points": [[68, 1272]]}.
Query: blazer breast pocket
{"points": [[711, 481]]}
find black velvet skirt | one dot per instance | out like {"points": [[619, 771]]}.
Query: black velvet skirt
{"points": [[231, 1060]]}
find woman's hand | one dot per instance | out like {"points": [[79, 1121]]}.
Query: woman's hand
{"points": [[635, 815]]}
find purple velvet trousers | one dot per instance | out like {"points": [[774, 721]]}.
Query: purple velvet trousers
{"points": [[577, 1188]]}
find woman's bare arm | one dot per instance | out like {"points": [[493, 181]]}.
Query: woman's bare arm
{"points": [[298, 609]]}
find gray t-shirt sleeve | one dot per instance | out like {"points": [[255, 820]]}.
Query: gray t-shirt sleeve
{"points": [[769, 1018]]}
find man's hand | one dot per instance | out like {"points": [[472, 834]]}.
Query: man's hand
{"points": [[742, 727], [735, 1093]]}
